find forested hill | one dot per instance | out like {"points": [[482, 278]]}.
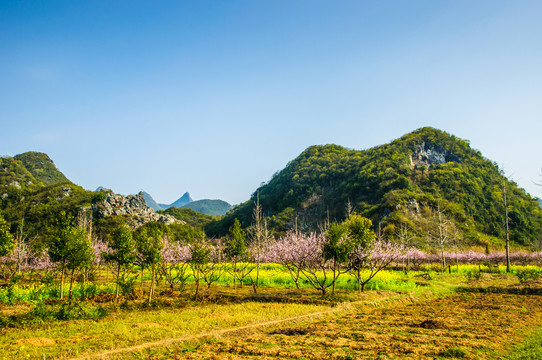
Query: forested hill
{"points": [[33, 189], [41, 167], [28, 170], [396, 183]]}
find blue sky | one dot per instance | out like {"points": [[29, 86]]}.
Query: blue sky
{"points": [[213, 97]]}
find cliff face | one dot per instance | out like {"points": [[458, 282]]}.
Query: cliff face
{"points": [[431, 154], [132, 207]]}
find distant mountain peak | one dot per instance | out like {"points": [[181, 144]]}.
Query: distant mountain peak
{"points": [[150, 201], [205, 206], [180, 202], [186, 198], [183, 200]]}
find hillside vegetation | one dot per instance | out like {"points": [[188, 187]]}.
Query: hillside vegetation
{"points": [[33, 192], [41, 167], [190, 216], [209, 207], [397, 183]]}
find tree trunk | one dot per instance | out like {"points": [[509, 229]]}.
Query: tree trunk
{"points": [[234, 276], [118, 280], [196, 278], [334, 279], [257, 271], [359, 280], [153, 275], [71, 283], [62, 282], [142, 279]]}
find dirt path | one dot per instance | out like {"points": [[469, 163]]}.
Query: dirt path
{"points": [[466, 325], [385, 301], [165, 342]]}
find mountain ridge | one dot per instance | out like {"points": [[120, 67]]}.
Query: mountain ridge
{"points": [[389, 184], [180, 202]]}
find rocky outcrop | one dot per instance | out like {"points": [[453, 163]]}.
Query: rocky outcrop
{"points": [[132, 207], [430, 154], [65, 192]]}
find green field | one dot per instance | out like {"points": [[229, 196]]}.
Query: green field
{"points": [[280, 320]]}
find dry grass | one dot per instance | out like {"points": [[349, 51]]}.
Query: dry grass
{"points": [[470, 325], [235, 324]]}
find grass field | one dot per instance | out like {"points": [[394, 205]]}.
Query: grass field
{"points": [[487, 316]]}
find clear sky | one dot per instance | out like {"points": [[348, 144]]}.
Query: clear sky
{"points": [[213, 97]]}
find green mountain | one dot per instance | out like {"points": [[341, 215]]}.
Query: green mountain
{"points": [[33, 189], [14, 175], [33, 194], [191, 217], [395, 183], [209, 207], [41, 167]]}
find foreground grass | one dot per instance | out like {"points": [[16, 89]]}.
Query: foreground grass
{"points": [[467, 325], [179, 316], [531, 349], [390, 323], [69, 339]]}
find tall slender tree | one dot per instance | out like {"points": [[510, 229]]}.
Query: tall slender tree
{"points": [[70, 247], [236, 251], [123, 251], [149, 243], [439, 232]]}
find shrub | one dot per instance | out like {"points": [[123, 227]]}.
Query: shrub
{"points": [[88, 290], [528, 274], [76, 310], [473, 274], [127, 284]]}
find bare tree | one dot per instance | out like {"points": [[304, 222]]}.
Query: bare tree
{"points": [[404, 238], [439, 232], [456, 239]]}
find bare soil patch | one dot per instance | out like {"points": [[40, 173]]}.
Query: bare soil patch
{"points": [[291, 332], [467, 325], [36, 342], [432, 324]]}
